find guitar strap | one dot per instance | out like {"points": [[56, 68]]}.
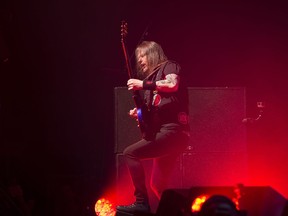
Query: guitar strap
{"points": [[156, 70]]}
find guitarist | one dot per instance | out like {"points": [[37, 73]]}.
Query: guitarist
{"points": [[166, 100]]}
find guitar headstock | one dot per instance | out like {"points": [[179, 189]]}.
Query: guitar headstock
{"points": [[124, 30]]}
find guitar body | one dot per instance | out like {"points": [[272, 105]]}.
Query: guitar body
{"points": [[143, 116]]}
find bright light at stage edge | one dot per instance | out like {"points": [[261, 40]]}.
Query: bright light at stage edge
{"points": [[103, 207], [198, 202]]}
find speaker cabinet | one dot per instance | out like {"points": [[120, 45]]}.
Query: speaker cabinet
{"points": [[214, 168], [215, 117]]}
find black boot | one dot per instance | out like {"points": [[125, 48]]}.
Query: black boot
{"points": [[135, 207]]}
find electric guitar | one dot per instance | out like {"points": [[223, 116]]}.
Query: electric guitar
{"points": [[142, 109]]}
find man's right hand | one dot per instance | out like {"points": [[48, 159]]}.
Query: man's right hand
{"points": [[133, 113]]}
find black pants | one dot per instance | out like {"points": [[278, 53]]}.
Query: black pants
{"points": [[164, 150]]}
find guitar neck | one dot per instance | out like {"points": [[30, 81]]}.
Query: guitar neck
{"points": [[128, 63]]}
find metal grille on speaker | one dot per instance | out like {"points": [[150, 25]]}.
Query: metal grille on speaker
{"points": [[216, 119], [126, 129]]}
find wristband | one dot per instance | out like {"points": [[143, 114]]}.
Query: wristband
{"points": [[149, 85]]}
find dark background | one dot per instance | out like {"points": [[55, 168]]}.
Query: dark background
{"points": [[60, 62]]}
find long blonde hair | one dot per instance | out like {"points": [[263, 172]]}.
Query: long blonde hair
{"points": [[155, 55]]}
